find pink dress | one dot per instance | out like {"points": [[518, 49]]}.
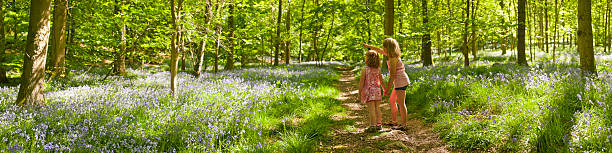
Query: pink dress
{"points": [[372, 87]]}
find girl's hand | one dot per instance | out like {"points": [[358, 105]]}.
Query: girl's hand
{"points": [[365, 45]]}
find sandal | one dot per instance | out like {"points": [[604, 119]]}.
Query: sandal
{"points": [[390, 123], [378, 126], [400, 127], [371, 129]]}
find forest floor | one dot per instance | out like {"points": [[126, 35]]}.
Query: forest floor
{"points": [[349, 133]]}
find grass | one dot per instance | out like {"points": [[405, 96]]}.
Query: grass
{"points": [[497, 106], [255, 109]]}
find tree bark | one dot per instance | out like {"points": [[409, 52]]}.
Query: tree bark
{"points": [[426, 39], [119, 63], [522, 60], [33, 77], [503, 40], [197, 69], [300, 39], [176, 38], [546, 42], [585, 37], [331, 28], [389, 12], [58, 43], [607, 29], [464, 47], [315, 35], [3, 78], [288, 33], [278, 32], [556, 37], [389, 15], [229, 60], [474, 41]]}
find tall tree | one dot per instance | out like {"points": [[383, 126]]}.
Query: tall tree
{"points": [[119, 63], [300, 39], [58, 56], [546, 38], [426, 53], [287, 42], [33, 76], [556, 37], [278, 32], [3, 77], [522, 60], [464, 47], [197, 69], [504, 32], [607, 28], [175, 10], [229, 60], [389, 12], [474, 41], [585, 37]]}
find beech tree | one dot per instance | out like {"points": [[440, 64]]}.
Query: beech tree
{"points": [[585, 37], [58, 41], [33, 76]]}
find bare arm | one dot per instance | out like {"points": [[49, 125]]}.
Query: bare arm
{"points": [[392, 70], [382, 82], [361, 82], [377, 49]]}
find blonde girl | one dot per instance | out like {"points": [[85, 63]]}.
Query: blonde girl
{"points": [[397, 77]]}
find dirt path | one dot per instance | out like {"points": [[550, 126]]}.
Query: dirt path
{"points": [[349, 134]]}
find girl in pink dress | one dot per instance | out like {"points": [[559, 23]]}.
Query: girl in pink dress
{"points": [[397, 79], [370, 85]]}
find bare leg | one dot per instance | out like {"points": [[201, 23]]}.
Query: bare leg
{"points": [[393, 105], [372, 112], [401, 96], [378, 113]]}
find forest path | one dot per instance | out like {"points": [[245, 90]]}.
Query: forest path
{"points": [[348, 134]]}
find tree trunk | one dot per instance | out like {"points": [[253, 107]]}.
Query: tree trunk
{"points": [[33, 78], [58, 33], [278, 32], [389, 12], [119, 63], [3, 78], [300, 39], [464, 47], [426, 39], [176, 41], [521, 34], [556, 37], [474, 41], [183, 54], [288, 33], [315, 35], [585, 37], [197, 68], [229, 60], [546, 42], [448, 28], [504, 32], [331, 28], [607, 29]]}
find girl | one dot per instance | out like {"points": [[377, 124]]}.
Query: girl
{"points": [[370, 84], [398, 78]]}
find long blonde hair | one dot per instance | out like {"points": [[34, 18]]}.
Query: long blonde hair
{"points": [[392, 48]]}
